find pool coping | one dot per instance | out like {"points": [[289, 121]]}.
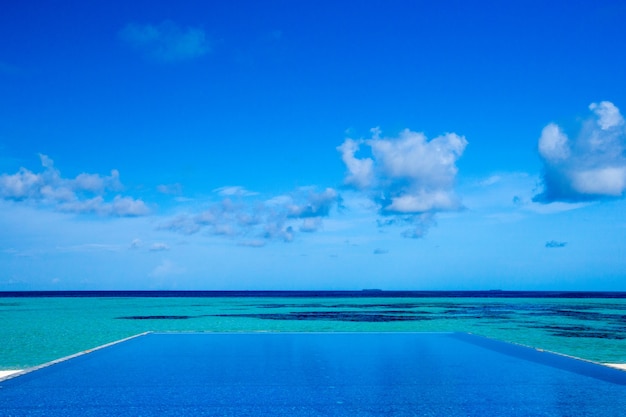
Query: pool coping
{"points": [[66, 358]]}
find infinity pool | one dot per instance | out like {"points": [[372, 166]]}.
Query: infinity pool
{"points": [[316, 374]]}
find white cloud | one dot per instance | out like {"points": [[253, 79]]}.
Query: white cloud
{"points": [[59, 193], [83, 194], [311, 224], [608, 115], [489, 181], [592, 166], [91, 205], [183, 223], [159, 246], [278, 201], [607, 181], [275, 230], [127, 206], [408, 175], [315, 204], [553, 143], [361, 171], [424, 164], [423, 201], [234, 191], [90, 247], [554, 207], [171, 189], [96, 184], [167, 41], [20, 185], [257, 220], [46, 162]]}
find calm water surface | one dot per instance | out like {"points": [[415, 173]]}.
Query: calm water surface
{"points": [[35, 330]]}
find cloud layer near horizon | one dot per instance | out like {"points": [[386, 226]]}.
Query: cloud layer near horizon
{"points": [[590, 167], [83, 194], [409, 177], [255, 222]]}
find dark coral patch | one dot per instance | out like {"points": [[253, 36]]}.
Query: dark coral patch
{"points": [[353, 316], [155, 317]]}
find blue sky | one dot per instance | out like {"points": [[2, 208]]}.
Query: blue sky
{"points": [[313, 145]]}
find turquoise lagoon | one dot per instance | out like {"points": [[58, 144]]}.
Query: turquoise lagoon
{"points": [[42, 328]]}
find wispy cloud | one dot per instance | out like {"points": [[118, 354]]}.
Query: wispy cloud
{"points": [[590, 167], [253, 222], [170, 189], [166, 42], [83, 194], [90, 247], [491, 180], [311, 224], [409, 177], [159, 246], [234, 190], [555, 207]]}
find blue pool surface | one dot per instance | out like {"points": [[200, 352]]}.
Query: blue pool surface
{"points": [[309, 374]]}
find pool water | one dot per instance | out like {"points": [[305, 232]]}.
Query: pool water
{"points": [[316, 374]]}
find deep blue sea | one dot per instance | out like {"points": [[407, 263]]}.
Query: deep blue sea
{"points": [[37, 327]]}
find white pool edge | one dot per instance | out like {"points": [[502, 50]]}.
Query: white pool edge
{"points": [[8, 374]]}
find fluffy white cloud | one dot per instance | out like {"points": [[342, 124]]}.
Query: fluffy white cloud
{"points": [[166, 41], [423, 201], [315, 204], [97, 184], [407, 176], [553, 143], [83, 194], [590, 167], [412, 157], [360, 171], [127, 206], [609, 181], [608, 115], [20, 185]]}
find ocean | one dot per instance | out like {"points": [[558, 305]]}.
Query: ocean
{"points": [[38, 327]]}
